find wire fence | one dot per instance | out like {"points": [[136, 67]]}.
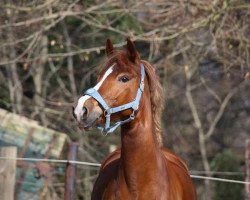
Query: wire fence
{"points": [[91, 164], [52, 161]]}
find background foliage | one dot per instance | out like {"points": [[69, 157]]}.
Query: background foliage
{"points": [[50, 50]]}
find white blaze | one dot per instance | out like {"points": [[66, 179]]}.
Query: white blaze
{"points": [[79, 108]]}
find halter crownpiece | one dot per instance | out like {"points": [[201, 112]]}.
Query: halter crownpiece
{"points": [[134, 105]]}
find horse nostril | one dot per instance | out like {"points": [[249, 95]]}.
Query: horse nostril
{"points": [[73, 112], [85, 112]]}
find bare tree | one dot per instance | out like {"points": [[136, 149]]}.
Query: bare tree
{"points": [[50, 51]]}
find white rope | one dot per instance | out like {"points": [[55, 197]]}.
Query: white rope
{"points": [[52, 161], [98, 165], [220, 179], [216, 173]]}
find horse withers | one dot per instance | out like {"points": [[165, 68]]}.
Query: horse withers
{"points": [[128, 94]]}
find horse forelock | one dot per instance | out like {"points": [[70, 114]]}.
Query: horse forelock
{"points": [[116, 57], [156, 90]]}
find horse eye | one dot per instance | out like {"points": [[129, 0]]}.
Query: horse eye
{"points": [[124, 79]]}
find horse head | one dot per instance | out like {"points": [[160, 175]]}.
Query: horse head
{"points": [[116, 96]]}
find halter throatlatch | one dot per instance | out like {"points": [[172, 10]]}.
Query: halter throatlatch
{"points": [[134, 105]]}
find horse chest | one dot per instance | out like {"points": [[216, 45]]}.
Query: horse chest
{"points": [[119, 190]]}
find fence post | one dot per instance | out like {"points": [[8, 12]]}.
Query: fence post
{"points": [[71, 172], [247, 164], [7, 173]]}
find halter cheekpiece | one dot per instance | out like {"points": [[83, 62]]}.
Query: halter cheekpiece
{"points": [[134, 105]]}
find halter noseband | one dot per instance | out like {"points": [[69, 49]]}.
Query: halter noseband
{"points": [[134, 105]]}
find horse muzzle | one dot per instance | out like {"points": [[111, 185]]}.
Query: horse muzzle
{"points": [[87, 115]]}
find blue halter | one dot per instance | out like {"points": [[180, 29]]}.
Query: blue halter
{"points": [[134, 105]]}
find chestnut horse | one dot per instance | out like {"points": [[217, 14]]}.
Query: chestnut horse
{"points": [[128, 94]]}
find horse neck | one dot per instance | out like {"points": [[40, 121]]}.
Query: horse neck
{"points": [[140, 153]]}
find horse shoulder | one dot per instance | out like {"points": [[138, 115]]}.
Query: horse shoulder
{"points": [[107, 174], [174, 159], [178, 176], [115, 155]]}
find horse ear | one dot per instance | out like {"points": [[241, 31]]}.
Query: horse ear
{"points": [[109, 47], [131, 51]]}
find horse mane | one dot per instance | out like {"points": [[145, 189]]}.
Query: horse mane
{"points": [[156, 90], [157, 99]]}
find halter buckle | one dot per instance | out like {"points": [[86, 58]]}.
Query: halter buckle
{"points": [[132, 116]]}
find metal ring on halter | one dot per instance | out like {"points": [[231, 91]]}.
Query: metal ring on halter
{"points": [[132, 116], [104, 133], [106, 113]]}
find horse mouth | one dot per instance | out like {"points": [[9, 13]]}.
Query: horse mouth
{"points": [[89, 124], [86, 127]]}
